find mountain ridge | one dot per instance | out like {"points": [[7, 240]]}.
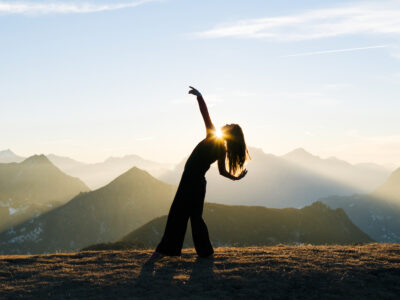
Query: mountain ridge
{"points": [[101, 215], [32, 187], [276, 181], [8, 156], [255, 226], [376, 213]]}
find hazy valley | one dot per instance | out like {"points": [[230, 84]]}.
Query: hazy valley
{"points": [[296, 179], [131, 208]]}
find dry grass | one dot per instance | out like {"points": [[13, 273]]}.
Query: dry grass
{"points": [[291, 272]]}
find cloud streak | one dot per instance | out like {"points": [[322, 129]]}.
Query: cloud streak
{"points": [[57, 7], [335, 51], [315, 24]]}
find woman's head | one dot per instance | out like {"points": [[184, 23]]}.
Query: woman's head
{"points": [[236, 150]]}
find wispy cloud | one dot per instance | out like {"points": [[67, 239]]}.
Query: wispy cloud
{"points": [[336, 51], [380, 18], [63, 7]]}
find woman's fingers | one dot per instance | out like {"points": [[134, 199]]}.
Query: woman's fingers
{"points": [[193, 91]]}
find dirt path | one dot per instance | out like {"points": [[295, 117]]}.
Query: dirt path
{"points": [[291, 272]]}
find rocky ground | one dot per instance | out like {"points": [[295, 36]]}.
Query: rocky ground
{"points": [[291, 272]]}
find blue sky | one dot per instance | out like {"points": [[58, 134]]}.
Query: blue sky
{"points": [[91, 79]]}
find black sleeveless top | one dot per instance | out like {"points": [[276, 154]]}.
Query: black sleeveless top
{"points": [[203, 155]]}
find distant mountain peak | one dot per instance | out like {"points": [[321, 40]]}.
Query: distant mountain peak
{"points": [[135, 171], [394, 178], [134, 174], [390, 190], [8, 156], [7, 153], [299, 153], [37, 159]]}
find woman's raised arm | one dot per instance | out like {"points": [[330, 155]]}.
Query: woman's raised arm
{"points": [[203, 109]]}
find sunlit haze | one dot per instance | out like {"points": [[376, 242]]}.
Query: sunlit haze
{"points": [[93, 79], [218, 133]]}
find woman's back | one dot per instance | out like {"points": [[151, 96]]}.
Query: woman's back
{"points": [[203, 155]]}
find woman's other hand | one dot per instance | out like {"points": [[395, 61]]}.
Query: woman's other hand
{"points": [[244, 172]]}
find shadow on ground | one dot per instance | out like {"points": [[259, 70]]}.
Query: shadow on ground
{"points": [[295, 272]]}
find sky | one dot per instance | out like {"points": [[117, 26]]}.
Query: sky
{"points": [[92, 79]]}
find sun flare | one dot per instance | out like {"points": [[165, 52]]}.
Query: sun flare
{"points": [[218, 133]]}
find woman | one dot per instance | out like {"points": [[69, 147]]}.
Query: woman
{"points": [[229, 149]]}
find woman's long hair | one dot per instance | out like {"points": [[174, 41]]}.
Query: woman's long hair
{"points": [[236, 150]]}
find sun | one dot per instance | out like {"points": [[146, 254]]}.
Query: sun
{"points": [[218, 133]]}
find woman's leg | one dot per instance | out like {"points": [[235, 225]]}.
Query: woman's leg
{"points": [[175, 229], [201, 238], [200, 235]]}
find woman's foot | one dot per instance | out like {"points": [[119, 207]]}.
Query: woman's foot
{"points": [[156, 256], [211, 257]]}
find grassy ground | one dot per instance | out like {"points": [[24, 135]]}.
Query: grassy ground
{"points": [[291, 272]]}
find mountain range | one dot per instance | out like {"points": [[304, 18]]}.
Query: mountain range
{"points": [[252, 225], [96, 175], [295, 180], [376, 213], [99, 174], [102, 215], [135, 198], [32, 187]]}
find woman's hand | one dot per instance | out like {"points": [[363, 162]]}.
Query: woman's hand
{"points": [[244, 172], [195, 92]]}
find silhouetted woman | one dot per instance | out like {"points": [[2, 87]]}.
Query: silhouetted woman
{"points": [[230, 150]]}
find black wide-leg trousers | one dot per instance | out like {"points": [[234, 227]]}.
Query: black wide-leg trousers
{"points": [[188, 203]]}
